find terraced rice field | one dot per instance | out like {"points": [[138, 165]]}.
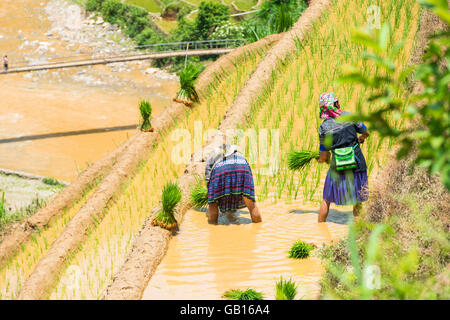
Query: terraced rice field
{"points": [[106, 248], [288, 104], [291, 104]]}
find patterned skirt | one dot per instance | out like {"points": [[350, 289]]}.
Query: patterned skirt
{"points": [[346, 188], [230, 181]]}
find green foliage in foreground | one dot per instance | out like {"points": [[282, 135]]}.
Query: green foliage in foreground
{"points": [[298, 159], [300, 250], [428, 111], [237, 294], [146, 112], [373, 263], [399, 248], [171, 196], [286, 289]]}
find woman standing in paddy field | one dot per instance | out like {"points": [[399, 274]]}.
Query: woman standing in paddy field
{"points": [[346, 182], [230, 184]]}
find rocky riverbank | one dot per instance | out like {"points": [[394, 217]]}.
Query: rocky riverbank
{"points": [[75, 34]]}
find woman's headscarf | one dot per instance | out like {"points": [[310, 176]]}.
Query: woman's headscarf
{"points": [[326, 105]]}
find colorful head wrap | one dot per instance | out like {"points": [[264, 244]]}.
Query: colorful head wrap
{"points": [[327, 108]]}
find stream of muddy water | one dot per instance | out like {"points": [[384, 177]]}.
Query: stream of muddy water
{"points": [[203, 261], [46, 116]]}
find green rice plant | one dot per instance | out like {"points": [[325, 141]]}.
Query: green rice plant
{"points": [[237, 294], [2, 205], [187, 93], [171, 196], [146, 112], [298, 159], [285, 289], [199, 196], [300, 250]]}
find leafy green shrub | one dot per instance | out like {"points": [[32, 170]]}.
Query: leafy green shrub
{"points": [[148, 36], [237, 294], [94, 5], [187, 93], [178, 9], [146, 112], [136, 26], [171, 196], [300, 250], [112, 11], [285, 289], [227, 31], [210, 15]]}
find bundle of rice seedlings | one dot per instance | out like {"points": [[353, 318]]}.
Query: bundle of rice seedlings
{"points": [[187, 93], [300, 250], [237, 294], [171, 196], [299, 159], [285, 289], [146, 112], [199, 196]]}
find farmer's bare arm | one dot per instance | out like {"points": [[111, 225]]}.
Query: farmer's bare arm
{"points": [[324, 157], [363, 136]]}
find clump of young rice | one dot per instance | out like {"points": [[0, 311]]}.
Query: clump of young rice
{"points": [[171, 196], [199, 196], [285, 289], [300, 250], [146, 112], [187, 93], [248, 294]]}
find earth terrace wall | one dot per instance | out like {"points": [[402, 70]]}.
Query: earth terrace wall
{"points": [[137, 149], [22, 232], [151, 244]]}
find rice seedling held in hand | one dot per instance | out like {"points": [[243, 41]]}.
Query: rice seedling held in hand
{"points": [[237, 294], [199, 196], [285, 289], [146, 111], [171, 196], [299, 159], [301, 250], [187, 93]]}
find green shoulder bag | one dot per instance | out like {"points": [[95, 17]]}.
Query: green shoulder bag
{"points": [[345, 158]]}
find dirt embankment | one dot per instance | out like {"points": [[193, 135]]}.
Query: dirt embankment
{"points": [[22, 232], [47, 270], [151, 244]]}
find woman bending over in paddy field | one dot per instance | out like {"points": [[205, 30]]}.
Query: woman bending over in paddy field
{"points": [[346, 182], [230, 185]]}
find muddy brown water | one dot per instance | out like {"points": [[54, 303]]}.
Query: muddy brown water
{"points": [[203, 261], [35, 109]]}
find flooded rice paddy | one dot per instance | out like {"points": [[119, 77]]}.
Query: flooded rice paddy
{"points": [[203, 261]]}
